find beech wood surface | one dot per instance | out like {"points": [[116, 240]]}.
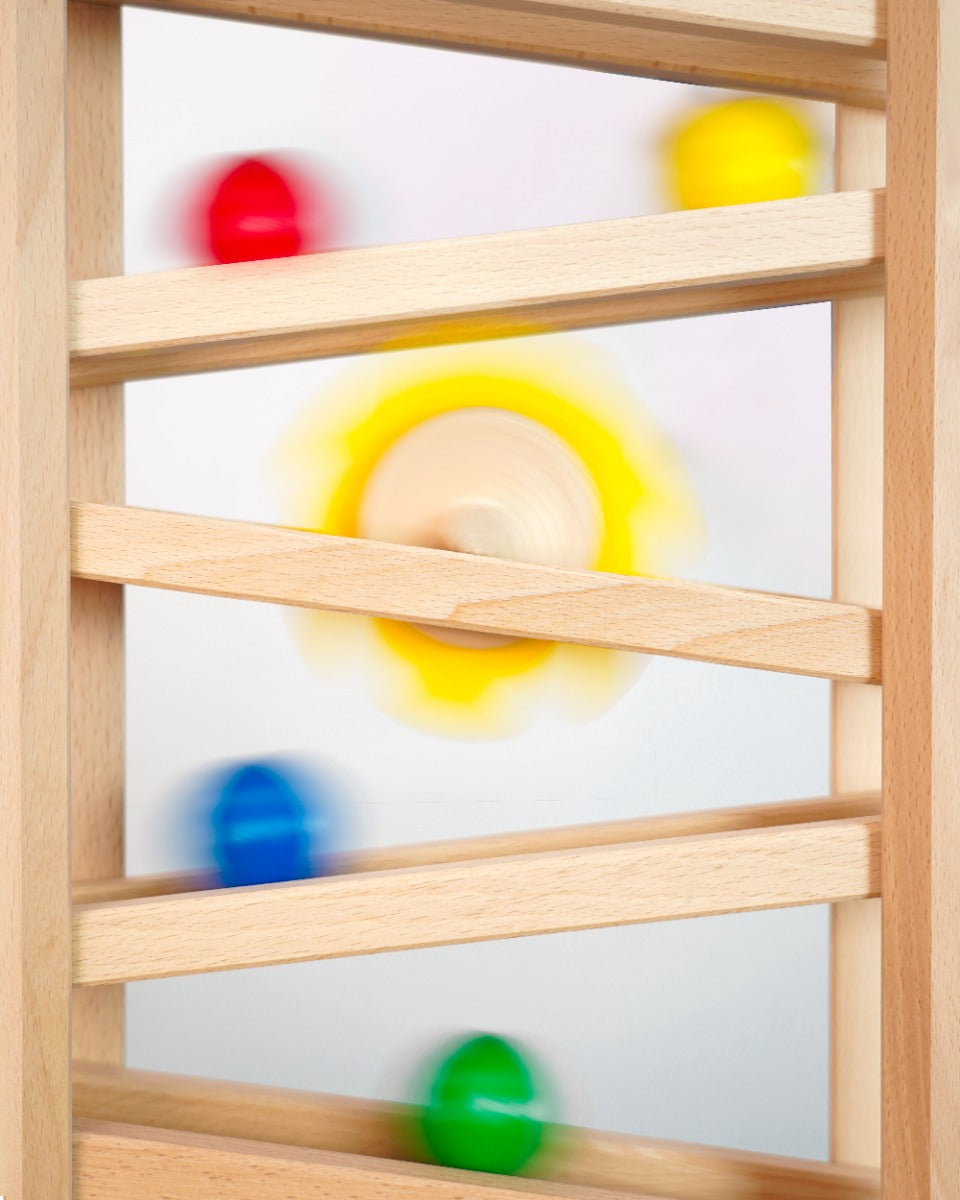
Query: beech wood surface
{"points": [[277, 565], [829, 51], [459, 289], [579, 1157]]}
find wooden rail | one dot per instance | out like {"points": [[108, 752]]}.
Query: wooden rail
{"points": [[827, 51], [114, 1162], [504, 845], [287, 566], [480, 899], [597, 273], [577, 1157]]}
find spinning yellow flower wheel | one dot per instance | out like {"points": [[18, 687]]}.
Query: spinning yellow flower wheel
{"points": [[512, 453]]}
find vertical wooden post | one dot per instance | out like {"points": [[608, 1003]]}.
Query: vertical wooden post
{"points": [[34, 597], [921, 644], [95, 245], [856, 713]]}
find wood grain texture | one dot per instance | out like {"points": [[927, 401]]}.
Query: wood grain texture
{"points": [[578, 1156], [95, 247], [844, 22], [824, 51], [597, 273], [921, 911], [567, 837], [479, 900], [856, 710], [464, 591], [114, 1162], [89, 371], [34, 609]]}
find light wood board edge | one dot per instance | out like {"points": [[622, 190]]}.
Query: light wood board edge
{"points": [[698, 49], [95, 247], [112, 1162], [841, 23], [567, 837], [481, 900], [277, 565], [95, 370], [856, 710], [576, 1156], [921, 568], [34, 608], [461, 289]]}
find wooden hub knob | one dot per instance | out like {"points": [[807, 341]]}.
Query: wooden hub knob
{"points": [[484, 481]]}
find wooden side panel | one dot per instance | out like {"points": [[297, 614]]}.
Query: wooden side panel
{"points": [[34, 598], [921, 846], [856, 724], [95, 245]]}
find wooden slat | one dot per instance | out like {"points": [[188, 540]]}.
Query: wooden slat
{"points": [[855, 717], [921, 565], [826, 51], [845, 22], [228, 1109], [577, 1156], [34, 600], [287, 566], [479, 900], [841, 22], [281, 345], [95, 244], [637, 268], [113, 1162], [567, 837]]}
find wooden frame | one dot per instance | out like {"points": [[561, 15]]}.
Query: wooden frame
{"points": [[34, 607], [150, 1135], [855, 718], [96, 470], [921, 929]]}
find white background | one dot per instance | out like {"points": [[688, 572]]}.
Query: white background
{"points": [[712, 1030]]}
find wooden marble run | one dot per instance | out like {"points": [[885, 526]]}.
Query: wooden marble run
{"points": [[893, 73]]}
